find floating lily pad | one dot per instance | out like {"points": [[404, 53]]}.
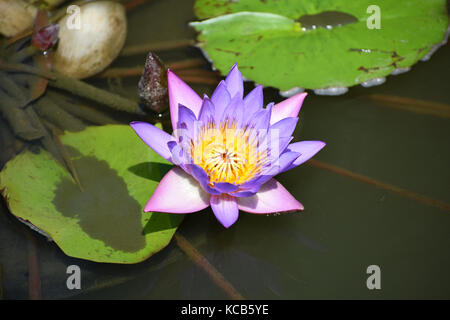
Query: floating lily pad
{"points": [[319, 43], [104, 221]]}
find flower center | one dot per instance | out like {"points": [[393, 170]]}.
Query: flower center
{"points": [[228, 154]]}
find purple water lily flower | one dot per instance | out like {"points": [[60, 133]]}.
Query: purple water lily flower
{"points": [[226, 149]]}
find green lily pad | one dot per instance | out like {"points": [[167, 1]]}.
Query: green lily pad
{"points": [[105, 221], [287, 44]]}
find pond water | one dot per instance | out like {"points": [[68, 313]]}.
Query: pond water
{"points": [[377, 194]]}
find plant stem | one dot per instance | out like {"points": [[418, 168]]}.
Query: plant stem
{"points": [[47, 109], [17, 118], [46, 139], [1, 282], [188, 75], [12, 89], [7, 141], [201, 261], [156, 46], [198, 73], [82, 111], [185, 64], [121, 72], [106, 98], [413, 105], [24, 54], [24, 68], [199, 80], [34, 278], [137, 71], [78, 87], [378, 184], [65, 154]]}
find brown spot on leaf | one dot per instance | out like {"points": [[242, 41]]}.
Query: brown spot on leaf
{"points": [[228, 51]]}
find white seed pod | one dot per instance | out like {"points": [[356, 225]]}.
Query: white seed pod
{"points": [[15, 16], [90, 38]]}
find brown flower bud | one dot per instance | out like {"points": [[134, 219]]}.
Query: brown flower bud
{"points": [[153, 84]]}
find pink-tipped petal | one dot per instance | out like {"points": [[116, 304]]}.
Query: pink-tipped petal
{"points": [[181, 93], [178, 192], [272, 197], [225, 209], [154, 137], [288, 108]]}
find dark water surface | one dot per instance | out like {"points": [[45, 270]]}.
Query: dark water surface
{"points": [[323, 252]]}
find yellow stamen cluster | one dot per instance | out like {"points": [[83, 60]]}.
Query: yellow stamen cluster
{"points": [[227, 153]]}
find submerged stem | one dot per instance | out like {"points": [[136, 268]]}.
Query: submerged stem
{"points": [[156, 46], [79, 110], [34, 278], [77, 87], [201, 261], [413, 105], [20, 123], [49, 110]]}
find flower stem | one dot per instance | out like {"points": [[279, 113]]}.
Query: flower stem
{"points": [[201, 261], [82, 111], [88, 91], [23, 68], [12, 89], [134, 72], [65, 155], [34, 278], [77, 87], [199, 80], [24, 54], [121, 72], [8, 142], [197, 76], [378, 184], [413, 105], [18, 119], [156, 46], [1, 282], [50, 111], [185, 64]]}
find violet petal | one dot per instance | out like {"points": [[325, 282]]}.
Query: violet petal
{"points": [[285, 126], [307, 150], [225, 209], [154, 137], [207, 111], [225, 187], [200, 175], [234, 82], [221, 98]]}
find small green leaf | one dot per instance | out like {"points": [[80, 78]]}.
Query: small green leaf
{"points": [[275, 44], [104, 221]]}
